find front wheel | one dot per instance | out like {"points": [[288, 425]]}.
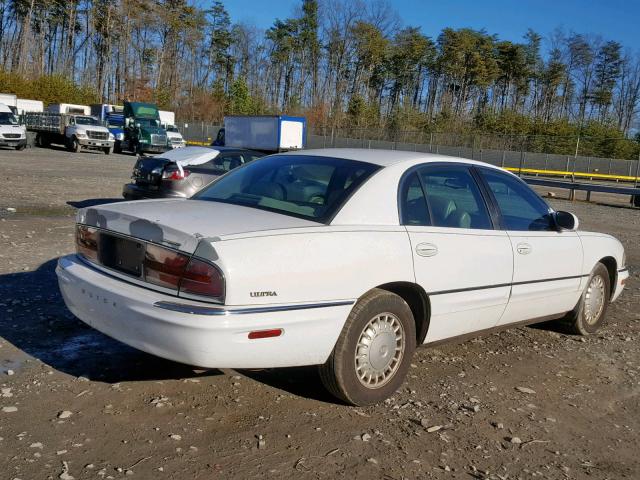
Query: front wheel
{"points": [[21, 147], [108, 150], [589, 315], [74, 145], [372, 355]]}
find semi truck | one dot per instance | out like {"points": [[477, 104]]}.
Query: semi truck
{"points": [[143, 132], [12, 134], [267, 133], [168, 122], [73, 131], [112, 117]]}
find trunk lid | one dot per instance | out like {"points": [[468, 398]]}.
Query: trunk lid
{"points": [[148, 170], [181, 224]]}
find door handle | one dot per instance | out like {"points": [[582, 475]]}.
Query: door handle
{"points": [[426, 249], [524, 248]]}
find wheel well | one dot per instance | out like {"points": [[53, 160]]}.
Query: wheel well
{"points": [[418, 302], [612, 268]]}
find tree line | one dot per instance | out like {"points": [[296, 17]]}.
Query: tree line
{"points": [[340, 62]]}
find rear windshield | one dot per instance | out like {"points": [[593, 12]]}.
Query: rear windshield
{"points": [[308, 187]]}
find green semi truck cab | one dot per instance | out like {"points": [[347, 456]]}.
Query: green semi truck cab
{"points": [[142, 130]]}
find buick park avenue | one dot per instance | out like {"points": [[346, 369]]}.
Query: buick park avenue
{"points": [[346, 259]]}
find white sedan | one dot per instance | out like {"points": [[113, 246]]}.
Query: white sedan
{"points": [[341, 258]]}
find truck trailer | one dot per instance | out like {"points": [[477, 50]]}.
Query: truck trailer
{"points": [[72, 131], [267, 133]]}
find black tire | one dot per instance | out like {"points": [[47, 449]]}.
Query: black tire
{"points": [[20, 147], [74, 145], [636, 200], [138, 150], [117, 148], [108, 150], [581, 320], [339, 374], [42, 141]]}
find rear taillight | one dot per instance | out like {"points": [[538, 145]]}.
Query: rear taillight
{"points": [[175, 174], [87, 242], [202, 278], [164, 267]]}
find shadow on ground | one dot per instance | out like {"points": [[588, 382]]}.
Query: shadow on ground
{"points": [[34, 319]]}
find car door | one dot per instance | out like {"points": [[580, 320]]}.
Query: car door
{"points": [[547, 262], [462, 262]]}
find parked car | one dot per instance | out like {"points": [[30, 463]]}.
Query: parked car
{"points": [[12, 134], [182, 172], [341, 258]]}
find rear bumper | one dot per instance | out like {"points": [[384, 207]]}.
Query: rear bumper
{"points": [[622, 277], [199, 334], [133, 191]]}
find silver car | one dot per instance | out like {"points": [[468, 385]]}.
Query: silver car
{"points": [[182, 172]]}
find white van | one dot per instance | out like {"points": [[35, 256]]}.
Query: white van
{"points": [[12, 134]]}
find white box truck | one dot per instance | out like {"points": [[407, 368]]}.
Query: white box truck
{"points": [[12, 134], [24, 105], [272, 133], [9, 99], [69, 108], [168, 122]]}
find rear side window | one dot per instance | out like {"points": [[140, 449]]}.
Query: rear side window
{"points": [[413, 203], [224, 163], [521, 208], [454, 198]]}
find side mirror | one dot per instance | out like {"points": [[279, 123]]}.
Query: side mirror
{"points": [[566, 221]]}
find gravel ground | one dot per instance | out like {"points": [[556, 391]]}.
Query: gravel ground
{"points": [[76, 404]]}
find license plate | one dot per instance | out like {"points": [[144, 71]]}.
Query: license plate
{"points": [[122, 254]]}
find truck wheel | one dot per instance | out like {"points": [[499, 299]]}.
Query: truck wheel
{"points": [[42, 141], [138, 150], [108, 150], [636, 200], [20, 147], [117, 148], [589, 315], [373, 353], [74, 145]]}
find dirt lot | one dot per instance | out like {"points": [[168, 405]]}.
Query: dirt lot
{"points": [[76, 404]]}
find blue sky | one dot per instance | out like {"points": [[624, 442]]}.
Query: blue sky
{"points": [[612, 19]]}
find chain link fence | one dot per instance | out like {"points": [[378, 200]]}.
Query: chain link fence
{"points": [[570, 155]]}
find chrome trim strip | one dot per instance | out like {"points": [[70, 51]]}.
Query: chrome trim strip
{"points": [[622, 270], [213, 311]]}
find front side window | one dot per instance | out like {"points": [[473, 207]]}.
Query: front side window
{"points": [[521, 208], [454, 198], [309, 187]]}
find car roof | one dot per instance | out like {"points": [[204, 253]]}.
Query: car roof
{"points": [[383, 158]]}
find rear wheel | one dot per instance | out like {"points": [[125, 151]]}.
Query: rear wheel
{"points": [[372, 355], [590, 312]]}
